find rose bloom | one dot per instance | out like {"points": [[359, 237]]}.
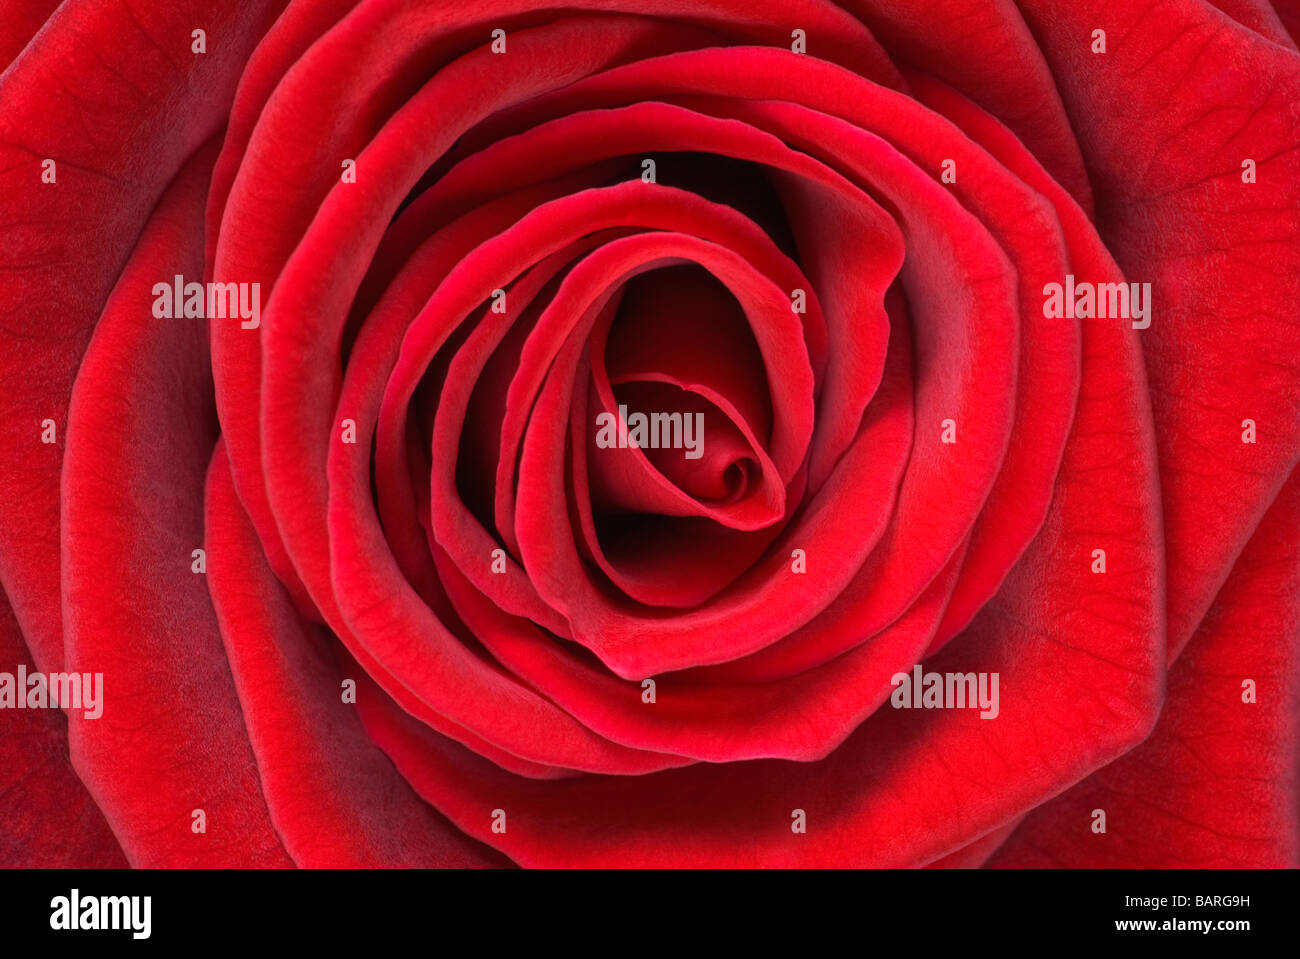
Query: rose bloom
{"points": [[965, 337]]}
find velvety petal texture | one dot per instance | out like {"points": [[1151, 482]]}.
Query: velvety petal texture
{"points": [[650, 433]]}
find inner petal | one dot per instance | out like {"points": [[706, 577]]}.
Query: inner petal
{"points": [[681, 325], [687, 439]]}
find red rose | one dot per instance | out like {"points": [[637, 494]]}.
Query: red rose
{"points": [[650, 432]]}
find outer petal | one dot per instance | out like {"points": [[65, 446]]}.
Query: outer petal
{"points": [[1218, 783], [141, 103], [47, 819], [141, 429], [1184, 94], [23, 18], [334, 797]]}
